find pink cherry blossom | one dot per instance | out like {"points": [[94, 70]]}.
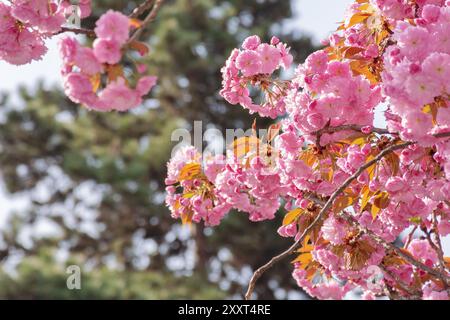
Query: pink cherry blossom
{"points": [[113, 26], [249, 62], [107, 51], [118, 96]]}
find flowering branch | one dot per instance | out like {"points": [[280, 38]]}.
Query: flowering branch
{"points": [[260, 271]]}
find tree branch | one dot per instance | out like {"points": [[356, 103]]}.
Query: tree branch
{"points": [[144, 6], [88, 32], [346, 127], [438, 245], [404, 286], [148, 19], [353, 127]]}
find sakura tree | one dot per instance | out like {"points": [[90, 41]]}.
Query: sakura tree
{"points": [[359, 200]]}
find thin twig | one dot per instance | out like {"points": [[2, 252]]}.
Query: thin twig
{"points": [[404, 286], [150, 17], [409, 238], [144, 6], [438, 244], [87, 32], [353, 127]]}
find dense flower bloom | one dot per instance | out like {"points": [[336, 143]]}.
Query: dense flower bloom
{"points": [[198, 199], [90, 65], [107, 51], [44, 15], [25, 25], [331, 94], [254, 190], [416, 72], [254, 66]]}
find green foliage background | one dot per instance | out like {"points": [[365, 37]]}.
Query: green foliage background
{"points": [[48, 143]]}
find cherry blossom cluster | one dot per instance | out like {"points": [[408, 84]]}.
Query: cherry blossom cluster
{"points": [[330, 94], [352, 191], [254, 188], [24, 27], [251, 68], [191, 195], [84, 67], [94, 77], [416, 74]]}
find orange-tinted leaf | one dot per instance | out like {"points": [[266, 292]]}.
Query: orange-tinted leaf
{"points": [[433, 110], [342, 203], [190, 171], [371, 170], [95, 81], [382, 200], [305, 258], [357, 256], [243, 145], [394, 163], [393, 260], [291, 216], [114, 72], [357, 138], [187, 217], [188, 195], [308, 158], [416, 220], [365, 192], [306, 245], [351, 51], [362, 68], [374, 211], [140, 47], [447, 261], [365, 7], [357, 18], [135, 23]]}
